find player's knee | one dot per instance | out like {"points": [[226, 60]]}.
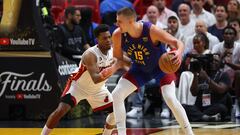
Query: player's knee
{"points": [[117, 94], [110, 119], [168, 95], [168, 98]]}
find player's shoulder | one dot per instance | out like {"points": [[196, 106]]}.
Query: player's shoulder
{"points": [[89, 53], [117, 32], [154, 28]]}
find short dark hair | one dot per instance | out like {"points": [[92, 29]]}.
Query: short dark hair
{"points": [[128, 12], [101, 28], [172, 18], [203, 37], [69, 10], [220, 5], [234, 20]]}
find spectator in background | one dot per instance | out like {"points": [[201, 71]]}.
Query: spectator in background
{"points": [[177, 3], [164, 12], [152, 15], [88, 25], [200, 47], [229, 48], [210, 5], [199, 13], [210, 86], [233, 9], [235, 23], [70, 37], [186, 24], [220, 13], [173, 28], [229, 51], [200, 26]]}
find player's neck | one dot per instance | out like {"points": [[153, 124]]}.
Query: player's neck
{"points": [[135, 30], [103, 51]]}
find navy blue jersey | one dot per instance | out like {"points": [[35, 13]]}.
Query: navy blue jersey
{"points": [[144, 55]]}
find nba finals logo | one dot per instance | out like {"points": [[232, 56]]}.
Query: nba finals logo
{"points": [[17, 82]]}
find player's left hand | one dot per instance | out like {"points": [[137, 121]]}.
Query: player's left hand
{"points": [[177, 57]]}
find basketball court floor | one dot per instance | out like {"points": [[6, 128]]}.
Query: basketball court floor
{"points": [[92, 125]]}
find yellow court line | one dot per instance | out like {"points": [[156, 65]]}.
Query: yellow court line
{"points": [[94, 131], [56, 131]]}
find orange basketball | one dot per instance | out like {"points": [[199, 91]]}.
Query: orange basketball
{"points": [[166, 64]]}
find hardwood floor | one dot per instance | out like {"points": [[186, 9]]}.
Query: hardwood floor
{"points": [[93, 126]]}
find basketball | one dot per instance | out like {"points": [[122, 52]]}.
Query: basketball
{"points": [[166, 64]]}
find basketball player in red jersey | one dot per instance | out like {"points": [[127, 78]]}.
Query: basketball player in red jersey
{"points": [[88, 82], [142, 42]]}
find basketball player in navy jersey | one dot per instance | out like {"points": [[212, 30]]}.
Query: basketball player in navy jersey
{"points": [[88, 82], [142, 43]]}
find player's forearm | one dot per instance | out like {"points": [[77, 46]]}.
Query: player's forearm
{"points": [[98, 78], [109, 71], [102, 76], [176, 44], [180, 46]]}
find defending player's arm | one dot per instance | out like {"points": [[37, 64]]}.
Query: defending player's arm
{"points": [[90, 61], [158, 34]]}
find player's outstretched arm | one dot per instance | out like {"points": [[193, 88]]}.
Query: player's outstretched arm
{"points": [[90, 61]]}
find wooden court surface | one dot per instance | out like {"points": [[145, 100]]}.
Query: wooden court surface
{"points": [[97, 131]]}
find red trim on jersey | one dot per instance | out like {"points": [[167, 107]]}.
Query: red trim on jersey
{"points": [[74, 100], [74, 76], [131, 78], [68, 84], [81, 70], [167, 79], [103, 107]]}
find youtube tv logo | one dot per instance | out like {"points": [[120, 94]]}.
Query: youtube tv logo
{"points": [[4, 41]]}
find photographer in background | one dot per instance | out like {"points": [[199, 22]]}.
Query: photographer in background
{"points": [[200, 48], [229, 51], [210, 86]]}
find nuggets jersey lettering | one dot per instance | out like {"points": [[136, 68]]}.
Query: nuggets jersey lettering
{"points": [[141, 50], [84, 80], [144, 55]]}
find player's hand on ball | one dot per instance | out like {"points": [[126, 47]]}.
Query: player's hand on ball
{"points": [[177, 57]]}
